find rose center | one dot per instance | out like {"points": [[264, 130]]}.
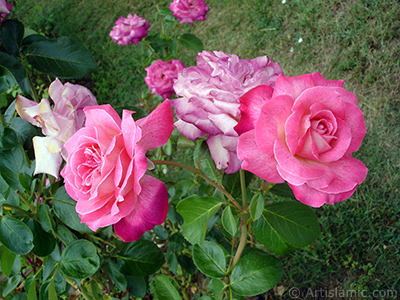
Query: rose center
{"points": [[91, 165]]}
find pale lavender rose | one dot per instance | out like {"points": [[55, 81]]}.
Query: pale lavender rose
{"points": [[161, 75], [209, 102], [58, 123], [188, 11], [5, 9], [129, 30]]}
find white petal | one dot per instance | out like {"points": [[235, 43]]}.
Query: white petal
{"points": [[48, 155]]}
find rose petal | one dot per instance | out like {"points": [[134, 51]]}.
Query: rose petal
{"points": [[47, 155]]}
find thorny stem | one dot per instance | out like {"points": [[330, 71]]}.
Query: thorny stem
{"points": [[22, 197], [202, 175]]}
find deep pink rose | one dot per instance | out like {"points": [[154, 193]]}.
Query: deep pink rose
{"points": [[188, 11], [209, 102], [129, 30], [161, 75], [105, 170], [58, 123], [304, 133], [5, 9]]}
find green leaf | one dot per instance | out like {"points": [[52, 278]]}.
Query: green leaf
{"points": [[43, 242], [63, 58], [11, 284], [13, 162], [12, 33], [255, 273], [136, 285], [229, 221], [64, 208], [217, 287], [141, 258], [7, 260], [256, 206], [187, 264], [17, 70], [45, 217], [15, 235], [208, 168], [165, 290], [116, 276], [79, 259], [65, 235], [191, 41], [210, 259], [231, 183], [196, 211], [30, 287], [7, 79], [165, 12], [160, 232], [283, 190], [25, 130], [52, 290], [285, 226]]}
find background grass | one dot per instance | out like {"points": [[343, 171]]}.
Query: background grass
{"points": [[354, 40]]}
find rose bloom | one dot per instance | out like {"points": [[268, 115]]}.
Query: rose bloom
{"points": [[304, 132], [58, 124], [161, 75], [209, 100], [106, 166], [188, 11], [5, 9], [129, 30]]}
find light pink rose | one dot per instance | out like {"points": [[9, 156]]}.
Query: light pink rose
{"points": [[188, 11], [129, 30], [58, 123], [209, 100], [5, 9], [106, 166], [161, 75], [304, 133]]}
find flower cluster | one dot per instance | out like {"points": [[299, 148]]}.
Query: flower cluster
{"points": [[5, 9], [161, 75], [209, 100], [105, 170], [129, 30], [58, 124], [188, 11]]}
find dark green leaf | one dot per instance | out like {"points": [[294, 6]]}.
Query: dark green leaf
{"points": [[17, 69], [256, 206], [15, 235], [229, 221], [285, 226], [65, 235], [64, 208], [7, 260], [231, 182], [13, 162], [141, 258], [165, 290], [217, 287], [20, 296], [255, 273], [187, 264], [210, 259], [45, 217], [25, 130], [200, 152], [11, 284], [283, 190], [196, 211], [63, 58], [30, 287], [43, 242], [116, 276], [137, 285], [160, 232], [79, 259], [191, 41], [7, 79], [12, 33]]}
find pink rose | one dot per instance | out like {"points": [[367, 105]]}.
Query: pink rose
{"points": [[5, 9], [129, 30], [304, 133], [188, 11], [209, 102], [161, 75], [106, 166], [58, 124]]}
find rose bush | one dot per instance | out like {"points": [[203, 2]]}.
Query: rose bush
{"points": [[304, 132], [58, 124], [161, 75], [129, 30], [209, 99], [106, 166], [188, 11], [5, 9]]}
